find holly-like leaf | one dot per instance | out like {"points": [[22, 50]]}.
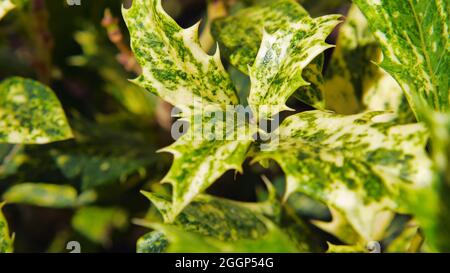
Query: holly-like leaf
{"points": [[6, 242], [414, 38], [174, 65], [152, 242], [222, 222], [30, 113], [355, 164], [281, 59], [212, 146], [353, 82], [43, 195], [240, 37]]}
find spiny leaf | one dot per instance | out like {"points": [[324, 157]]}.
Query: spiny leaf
{"points": [[355, 84], [175, 67], [6, 242], [345, 249], [240, 37], [414, 38], [355, 164], [40, 194], [30, 113], [210, 147], [282, 57]]}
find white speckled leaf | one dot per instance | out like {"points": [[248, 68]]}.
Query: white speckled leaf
{"points": [[43, 195], [6, 242], [227, 225], [414, 38], [240, 36], [174, 65], [353, 82], [277, 71], [201, 158], [30, 113], [355, 164]]}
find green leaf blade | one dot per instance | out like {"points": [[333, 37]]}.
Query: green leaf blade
{"points": [[30, 113]]}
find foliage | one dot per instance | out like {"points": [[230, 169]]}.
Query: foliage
{"points": [[348, 162]]}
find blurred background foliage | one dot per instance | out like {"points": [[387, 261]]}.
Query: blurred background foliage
{"points": [[87, 188]]}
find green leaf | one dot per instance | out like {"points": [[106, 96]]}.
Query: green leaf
{"points": [[414, 38], [211, 147], [223, 222], [11, 157], [356, 164], [212, 216], [345, 249], [97, 223], [175, 67], [43, 195], [152, 242], [181, 241], [355, 84], [6, 242], [241, 34], [30, 113], [282, 57]]}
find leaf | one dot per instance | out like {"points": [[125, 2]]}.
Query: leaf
{"points": [[97, 56], [211, 147], [181, 241], [356, 164], [6, 242], [152, 242], [11, 157], [97, 223], [345, 249], [5, 7], [282, 57], [30, 113], [103, 153], [220, 220], [414, 38], [355, 84], [175, 67], [43, 195], [240, 37], [211, 216]]}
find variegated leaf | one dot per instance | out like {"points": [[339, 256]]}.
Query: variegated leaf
{"points": [[40, 194], [353, 82], [174, 65], [181, 241], [282, 57], [213, 145], [356, 164], [30, 113], [226, 224], [414, 38], [6, 242], [240, 37]]}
